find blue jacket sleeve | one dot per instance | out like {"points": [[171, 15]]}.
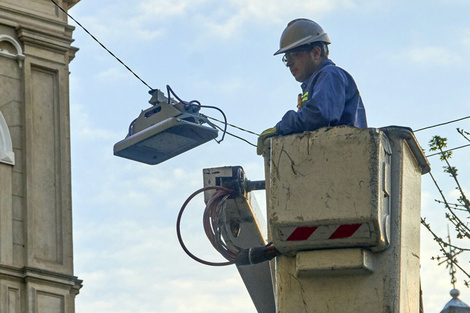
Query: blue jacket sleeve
{"points": [[324, 106]]}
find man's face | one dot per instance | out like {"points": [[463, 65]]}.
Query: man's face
{"points": [[302, 64]]}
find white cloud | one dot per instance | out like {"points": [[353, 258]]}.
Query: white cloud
{"points": [[146, 265], [83, 129], [151, 19], [167, 9], [448, 53], [239, 17], [464, 41], [431, 55], [463, 3], [425, 57], [114, 74]]}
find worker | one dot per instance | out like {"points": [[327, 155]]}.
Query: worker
{"points": [[329, 94]]}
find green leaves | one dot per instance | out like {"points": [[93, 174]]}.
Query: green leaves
{"points": [[438, 143], [456, 213]]}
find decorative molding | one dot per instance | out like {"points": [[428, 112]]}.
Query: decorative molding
{"points": [[32, 274], [70, 3], [19, 56], [6, 150], [60, 44]]}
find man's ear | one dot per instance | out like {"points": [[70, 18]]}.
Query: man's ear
{"points": [[315, 53]]}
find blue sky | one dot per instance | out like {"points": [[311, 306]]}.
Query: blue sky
{"points": [[409, 59]]}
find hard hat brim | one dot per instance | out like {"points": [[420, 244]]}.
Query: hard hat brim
{"points": [[304, 41]]}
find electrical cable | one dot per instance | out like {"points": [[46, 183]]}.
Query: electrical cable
{"points": [[456, 148], [178, 226], [194, 102], [214, 227], [417, 130], [101, 44], [197, 104], [441, 124], [233, 135], [213, 220], [235, 126]]}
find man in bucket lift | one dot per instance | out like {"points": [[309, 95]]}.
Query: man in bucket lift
{"points": [[329, 94]]}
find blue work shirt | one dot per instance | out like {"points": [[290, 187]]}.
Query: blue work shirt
{"points": [[330, 98]]}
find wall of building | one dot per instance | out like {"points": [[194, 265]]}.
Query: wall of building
{"points": [[36, 256]]}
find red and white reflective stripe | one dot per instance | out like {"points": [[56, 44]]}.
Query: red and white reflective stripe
{"points": [[326, 232]]}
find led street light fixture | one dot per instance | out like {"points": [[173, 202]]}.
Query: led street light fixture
{"points": [[164, 131]]}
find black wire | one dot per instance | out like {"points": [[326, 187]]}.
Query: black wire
{"points": [[102, 45], [193, 102], [441, 124], [178, 226], [198, 105], [233, 135], [225, 118], [456, 148], [234, 126]]}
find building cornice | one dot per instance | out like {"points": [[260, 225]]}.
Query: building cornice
{"points": [[30, 274], [14, 16], [70, 3]]}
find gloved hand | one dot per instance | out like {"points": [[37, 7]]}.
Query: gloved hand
{"points": [[266, 134]]}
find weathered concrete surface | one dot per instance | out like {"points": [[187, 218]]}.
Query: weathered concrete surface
{"points": [[337, 176]]}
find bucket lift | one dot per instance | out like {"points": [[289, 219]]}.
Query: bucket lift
{"points": [[235, 227], [245, 227], [165, 130]]}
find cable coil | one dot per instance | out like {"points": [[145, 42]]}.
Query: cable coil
{"points": [[213, 221]]}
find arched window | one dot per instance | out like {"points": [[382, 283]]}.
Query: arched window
{"points": [[8, 45], [6, 150], [11, 49]]}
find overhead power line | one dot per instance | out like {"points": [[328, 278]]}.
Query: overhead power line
{"points": [[456, 148], [240, 128], [441, 124], [102, 45]]}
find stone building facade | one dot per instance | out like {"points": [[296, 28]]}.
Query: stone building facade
{"points": [[36, 256]]}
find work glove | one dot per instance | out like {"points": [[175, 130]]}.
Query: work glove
{"points": [[266, 134]]}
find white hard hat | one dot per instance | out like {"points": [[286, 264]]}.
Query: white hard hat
{"points": [[301, 32]]}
